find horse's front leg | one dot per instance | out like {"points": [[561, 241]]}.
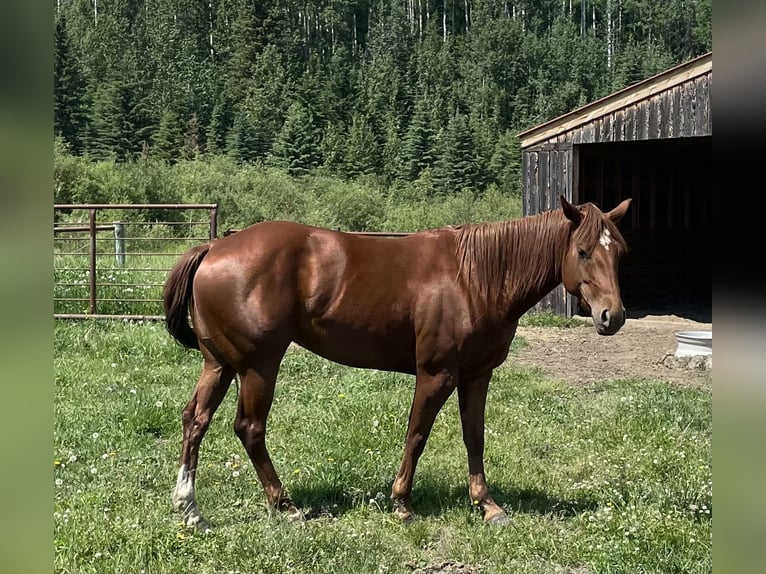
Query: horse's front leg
{"points": [[472, 396], [431, 392]]}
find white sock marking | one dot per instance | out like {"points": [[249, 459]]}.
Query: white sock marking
{"points": [[183, 494], [183, 500]]}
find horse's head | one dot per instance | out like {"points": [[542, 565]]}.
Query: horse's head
{"points": [[589, 269]]}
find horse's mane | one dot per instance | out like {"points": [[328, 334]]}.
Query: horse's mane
{"points": [[524, 255]]}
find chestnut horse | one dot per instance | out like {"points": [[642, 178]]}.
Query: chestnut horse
{"points": [[442, 305]]}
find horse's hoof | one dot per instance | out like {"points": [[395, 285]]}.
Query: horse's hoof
{"points": [[406, 517], [500, 519], [295, 514], [199, 523]]}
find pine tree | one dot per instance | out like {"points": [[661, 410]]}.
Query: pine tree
{"points": [[193, 145], [120, 123], [362, 152], [333, 149], [169, 138], [505, 166], [107, 136], [221, 120], [419, 142], [69, 88], [456, 166], [297, 148], [392, 149], [242, 141]]}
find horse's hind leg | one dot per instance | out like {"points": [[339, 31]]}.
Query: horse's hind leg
{"points": [[255, 398], [211, 388]]}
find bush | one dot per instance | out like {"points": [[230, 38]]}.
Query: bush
{"points": [[247, 194]]}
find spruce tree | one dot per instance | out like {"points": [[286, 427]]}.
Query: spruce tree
{"points": [[362, 151], [221, 120], [297, 147], [107, 137], [458, 164], [69, 88], [193, 146], [419, 142], [242, 141], [169, 139]]}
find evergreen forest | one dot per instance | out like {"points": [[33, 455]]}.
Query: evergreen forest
{"points": [[429, 93]]}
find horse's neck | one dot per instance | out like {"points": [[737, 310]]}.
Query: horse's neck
{"points": [[538, 244]]}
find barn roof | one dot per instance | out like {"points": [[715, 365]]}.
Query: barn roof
{"points": [[617, 100]]}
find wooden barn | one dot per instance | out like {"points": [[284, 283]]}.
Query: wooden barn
{"points": [[653, 142]]}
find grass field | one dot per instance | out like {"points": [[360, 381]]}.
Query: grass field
{"points": [[615, 477]]}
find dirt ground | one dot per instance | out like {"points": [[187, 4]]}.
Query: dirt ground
{"points": [[644, 347]]}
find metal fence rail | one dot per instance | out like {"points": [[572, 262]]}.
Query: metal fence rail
{"points": [[106, 268]]}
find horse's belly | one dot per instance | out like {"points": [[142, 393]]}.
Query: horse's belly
{"points": [[360, 347]]}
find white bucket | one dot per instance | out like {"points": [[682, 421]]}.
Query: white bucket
{"points": [[693, 343]]}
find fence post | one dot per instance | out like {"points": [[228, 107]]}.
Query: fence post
{"points": [[214, 222], [119, 243], [92, 261]]}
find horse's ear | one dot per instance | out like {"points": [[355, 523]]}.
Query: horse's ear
{"points": [[617, 213], [572, 213]]}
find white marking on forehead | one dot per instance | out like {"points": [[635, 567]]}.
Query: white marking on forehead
{"points": [[605, 239]]}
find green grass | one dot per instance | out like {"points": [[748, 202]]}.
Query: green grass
{"points": [[550, 319], [615, 477]]}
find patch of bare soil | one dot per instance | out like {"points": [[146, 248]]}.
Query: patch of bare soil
{"points": [[643, 348]]}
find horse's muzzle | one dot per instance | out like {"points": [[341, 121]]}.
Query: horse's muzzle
{"points": [[609, 321]]}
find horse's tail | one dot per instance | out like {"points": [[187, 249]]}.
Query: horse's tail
{"points": [[177, 296]]}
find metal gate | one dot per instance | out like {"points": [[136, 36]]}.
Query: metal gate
{"points": [[111, 260]]}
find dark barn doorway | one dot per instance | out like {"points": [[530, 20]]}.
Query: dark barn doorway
{"points": [[669, 225]]}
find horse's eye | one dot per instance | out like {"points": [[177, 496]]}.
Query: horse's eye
{"points": [[582, 253]]}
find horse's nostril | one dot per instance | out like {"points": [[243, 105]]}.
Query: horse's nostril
{"points": [[605, 317]]}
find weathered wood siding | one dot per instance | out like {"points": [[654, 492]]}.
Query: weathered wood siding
{"points": [[675, 105], [681, 111], [548, 172]]}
